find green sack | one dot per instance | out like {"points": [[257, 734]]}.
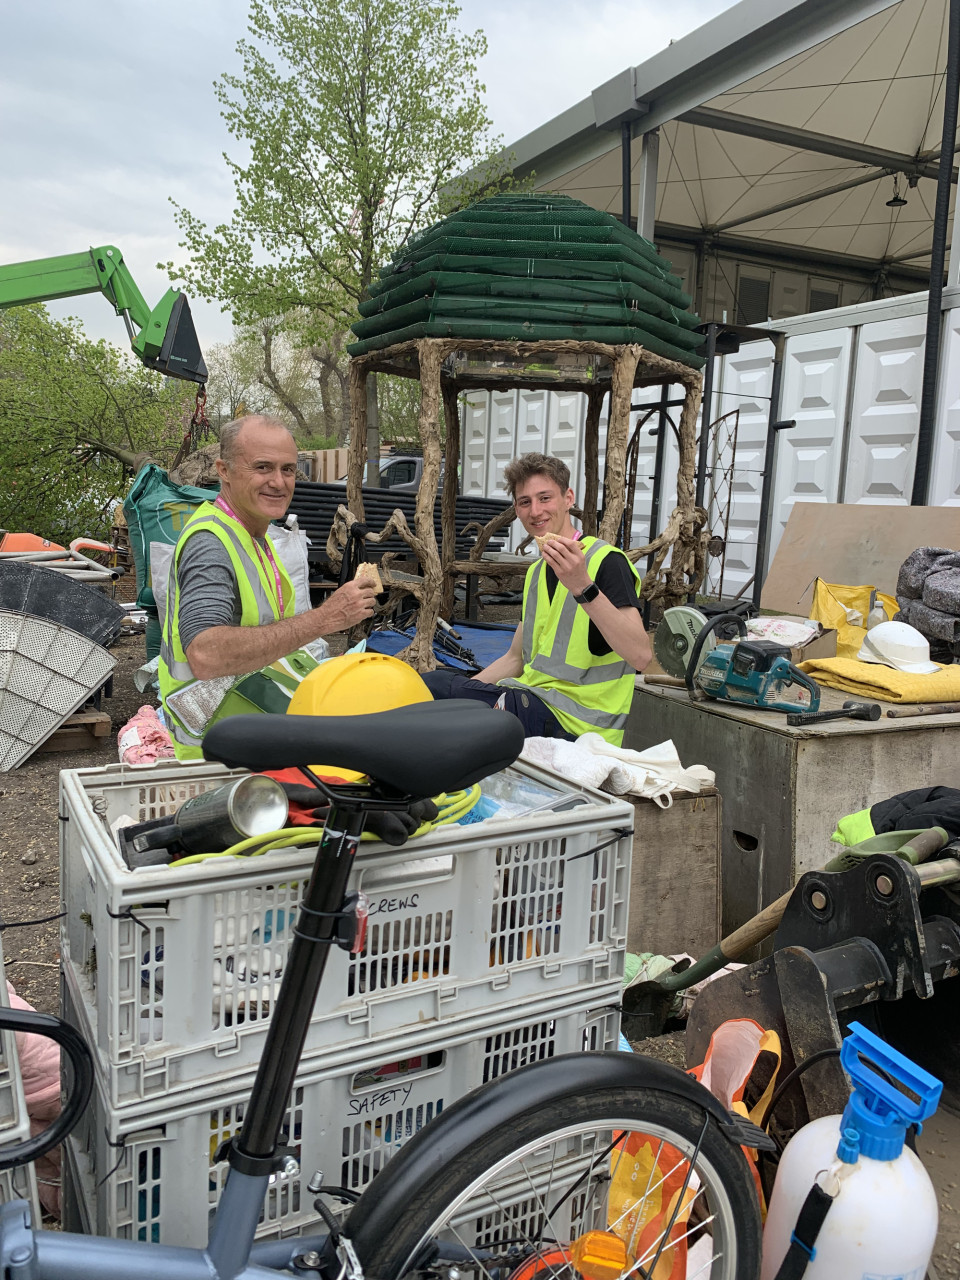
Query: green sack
{"points": [[156, 510]]}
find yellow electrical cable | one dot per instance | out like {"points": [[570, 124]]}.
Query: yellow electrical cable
{"points": [[451, 807]]}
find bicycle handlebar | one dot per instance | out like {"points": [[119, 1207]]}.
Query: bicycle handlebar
{"points": [[81, 1062]]}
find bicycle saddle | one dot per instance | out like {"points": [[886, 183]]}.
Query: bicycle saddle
{"points": [[418, 750]]}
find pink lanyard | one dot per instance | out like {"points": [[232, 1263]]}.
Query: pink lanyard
{"points": [[225, 507]]}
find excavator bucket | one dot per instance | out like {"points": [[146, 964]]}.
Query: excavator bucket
{"points": [[180, 355], [879, 943]]}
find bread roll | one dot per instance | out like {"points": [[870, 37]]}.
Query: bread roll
{"points": [[547, 538], [369, 573]]}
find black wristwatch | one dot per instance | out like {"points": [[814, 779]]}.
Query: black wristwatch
{"points": [[589, 592]]}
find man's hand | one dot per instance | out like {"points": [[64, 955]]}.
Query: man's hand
{"points": [[347, 606], [565, 557], [235, 651]]}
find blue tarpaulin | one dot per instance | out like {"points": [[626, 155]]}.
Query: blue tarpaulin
{"points": [[485, 640]]}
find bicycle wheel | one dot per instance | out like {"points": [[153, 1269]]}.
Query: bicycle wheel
{"points": [[604, 1184]]}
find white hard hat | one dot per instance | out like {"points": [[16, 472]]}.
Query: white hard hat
{"points": [[898, 645]]}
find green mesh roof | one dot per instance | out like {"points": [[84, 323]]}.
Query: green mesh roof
{"points": [[524, 268]]}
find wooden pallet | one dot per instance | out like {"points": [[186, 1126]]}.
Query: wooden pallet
{"points": [[80, 732]]}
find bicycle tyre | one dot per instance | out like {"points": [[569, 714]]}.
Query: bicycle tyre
{"points": [[388, 1241]]}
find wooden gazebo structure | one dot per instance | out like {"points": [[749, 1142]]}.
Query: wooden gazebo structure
{"points": [[446, 366]]}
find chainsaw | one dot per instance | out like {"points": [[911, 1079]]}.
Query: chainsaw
{"points": [[753, 673]]}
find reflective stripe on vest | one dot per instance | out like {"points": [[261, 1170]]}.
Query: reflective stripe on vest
{"points": [[551, 670], [258, 607]]}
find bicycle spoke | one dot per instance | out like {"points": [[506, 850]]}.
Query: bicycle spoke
{"points": [[586, 1174], [683, 1189], [525, 1211]]}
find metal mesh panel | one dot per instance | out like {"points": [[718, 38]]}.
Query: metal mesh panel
{"points": [[47, 671], [28, 588]]}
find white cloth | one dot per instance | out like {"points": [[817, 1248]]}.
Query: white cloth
{"points": [[592, 762], [795, 632]]}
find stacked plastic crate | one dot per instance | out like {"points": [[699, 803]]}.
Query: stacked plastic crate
{"points": [[489, 947], [19, 1183]]}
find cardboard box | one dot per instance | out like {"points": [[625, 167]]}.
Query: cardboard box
{"points": [[821, 646]]}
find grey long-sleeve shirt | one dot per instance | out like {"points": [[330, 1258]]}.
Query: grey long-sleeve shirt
{"points": [[207, 587]]}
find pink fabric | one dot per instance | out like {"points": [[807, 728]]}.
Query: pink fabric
{"points": [[144, 739], [40, 1070]]}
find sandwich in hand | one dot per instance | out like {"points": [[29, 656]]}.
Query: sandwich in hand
{"points": [[547, 537], [369, 573]]}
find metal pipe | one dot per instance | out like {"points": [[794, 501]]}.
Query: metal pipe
{"points": [[766, 488], [926, 430], [626, 171], [658, 469], [798, 201], [302, 974], [710, 351], [943, 871]]}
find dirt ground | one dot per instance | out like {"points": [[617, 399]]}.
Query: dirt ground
{"points": [[29, 841], [29, 890]]}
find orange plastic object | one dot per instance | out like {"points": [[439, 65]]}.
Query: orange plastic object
{"points": [[549, 1263], [28, 542], [89, 544], [599, 1255]]}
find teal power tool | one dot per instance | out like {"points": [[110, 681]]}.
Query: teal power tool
{"points": [[754, 673]]}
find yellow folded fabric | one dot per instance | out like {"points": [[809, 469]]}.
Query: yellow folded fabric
{"points": [[871, 680]]}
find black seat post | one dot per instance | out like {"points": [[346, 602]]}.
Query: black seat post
{"points": [[313, 936]]}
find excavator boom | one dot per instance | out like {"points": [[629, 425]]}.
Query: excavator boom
{"points": [[164, 338]]}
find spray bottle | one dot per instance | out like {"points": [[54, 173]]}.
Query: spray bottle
{"points": [[851, 1201]]}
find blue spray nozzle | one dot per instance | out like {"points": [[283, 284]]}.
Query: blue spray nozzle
{"points": [[878, 1114]]}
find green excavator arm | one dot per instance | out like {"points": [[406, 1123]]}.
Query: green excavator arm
{"points": [[164, 338]]}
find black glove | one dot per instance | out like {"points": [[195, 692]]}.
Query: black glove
{"points": [[391, 826], [397, 825]]}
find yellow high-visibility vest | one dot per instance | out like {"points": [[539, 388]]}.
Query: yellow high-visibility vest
{"points": [[258, 605], [587, 694]]}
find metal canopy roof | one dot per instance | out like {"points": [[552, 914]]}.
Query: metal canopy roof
{"points": [[782, 123]]}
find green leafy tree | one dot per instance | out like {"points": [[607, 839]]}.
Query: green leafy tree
{"points": [[357, 116], [234, 385], [77, 418]]}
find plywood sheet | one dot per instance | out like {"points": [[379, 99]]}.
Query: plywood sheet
{"points": [[854, 544], [675, 882]]}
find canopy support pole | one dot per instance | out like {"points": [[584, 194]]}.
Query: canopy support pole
{"points": [[626, 169], [647, 192], [926, 431]]}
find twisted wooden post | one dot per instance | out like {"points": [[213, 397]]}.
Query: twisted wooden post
{"points": [[618, 431], [448, 516], [419, 653], [357, 457]]}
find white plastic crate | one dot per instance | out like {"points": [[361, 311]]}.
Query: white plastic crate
{"points": [[14, 1120], [149, 1174], [21, 1184], [174, 972]]}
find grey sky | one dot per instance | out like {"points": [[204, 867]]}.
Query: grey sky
{"points": [[107, 109]]}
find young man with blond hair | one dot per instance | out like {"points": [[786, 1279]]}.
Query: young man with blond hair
{"points": [[570, 667]]}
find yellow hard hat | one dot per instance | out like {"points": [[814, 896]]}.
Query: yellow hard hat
{"points": [[357, 684]]}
